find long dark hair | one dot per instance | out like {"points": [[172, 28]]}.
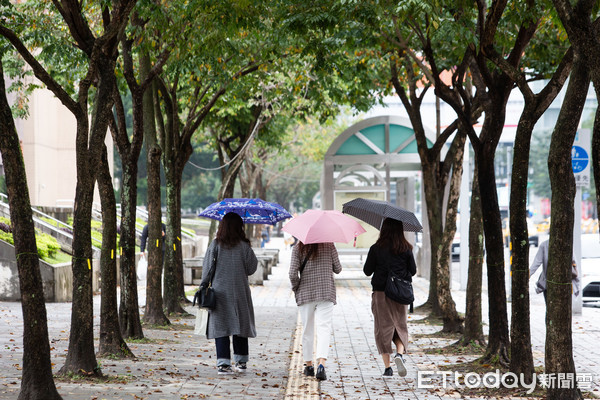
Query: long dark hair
{"points": [[392, 237], [231, 230], [305, 249]]}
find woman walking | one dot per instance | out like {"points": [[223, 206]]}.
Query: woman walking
{"points": [[311, 274], [391, 252], [233, 314]]}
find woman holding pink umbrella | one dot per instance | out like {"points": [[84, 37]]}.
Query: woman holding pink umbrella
{"points": [[311, 275], [313, 263]]}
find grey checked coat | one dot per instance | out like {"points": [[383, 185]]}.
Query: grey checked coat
{"points": [[234, 312]]}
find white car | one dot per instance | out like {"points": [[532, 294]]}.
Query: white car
{"points": [[590, 267], [591, 289]]}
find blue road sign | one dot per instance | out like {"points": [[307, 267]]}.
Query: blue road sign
{"points": [[579, 159]]}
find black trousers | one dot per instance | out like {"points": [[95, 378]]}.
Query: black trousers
{"points": [[240, 350]]}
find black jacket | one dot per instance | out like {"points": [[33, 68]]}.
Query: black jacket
{"points": [[144, 238], [381, 260]]}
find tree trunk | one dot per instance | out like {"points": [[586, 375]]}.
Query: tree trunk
{"points": [[452, 321], [559, 346], [37, 382], [111, 341], [521, 361], [129, 312], [173, 255], [499, 342], [174, 157], [154, 313], [81, 356], [473, 332]]}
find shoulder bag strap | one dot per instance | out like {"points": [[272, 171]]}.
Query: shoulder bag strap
{"points": [[306, 260], [213, 267]]}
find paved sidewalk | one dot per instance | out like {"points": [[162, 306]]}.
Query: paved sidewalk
{"points": [[176, 364]]}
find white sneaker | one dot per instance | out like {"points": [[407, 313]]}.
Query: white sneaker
{"points": [[399, 360]]}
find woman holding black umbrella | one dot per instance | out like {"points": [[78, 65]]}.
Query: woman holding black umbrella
{"points": [[391, 252]]}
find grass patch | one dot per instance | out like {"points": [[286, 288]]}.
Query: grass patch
{"points": [[145, 340], [183, 315], [59, 258], [428, 320], [439, 334], [85, 378], [170, 327], [455, 349]]}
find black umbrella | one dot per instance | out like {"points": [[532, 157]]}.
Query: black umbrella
{"points": [[373, 212]]}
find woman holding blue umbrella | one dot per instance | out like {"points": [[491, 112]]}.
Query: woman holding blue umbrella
{"points": [[233, 314]]}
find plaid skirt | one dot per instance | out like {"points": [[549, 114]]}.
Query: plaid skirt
{"points": [[390, 321]]}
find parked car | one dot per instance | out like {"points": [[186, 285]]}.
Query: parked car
{"points": [[455, 250], [590, 267], [591, 289]]}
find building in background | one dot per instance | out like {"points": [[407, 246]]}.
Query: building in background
{"points": [[47, 138]]}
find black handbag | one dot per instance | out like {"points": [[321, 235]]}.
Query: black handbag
{"points": [[398, 289], [205, 295]]}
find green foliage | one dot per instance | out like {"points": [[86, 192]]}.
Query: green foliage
{"points": [[47, 245]]}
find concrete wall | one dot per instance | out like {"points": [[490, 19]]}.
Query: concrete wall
{"points": [[57, 279]]}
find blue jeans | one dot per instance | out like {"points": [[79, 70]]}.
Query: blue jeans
{"points": [[240, 350]]}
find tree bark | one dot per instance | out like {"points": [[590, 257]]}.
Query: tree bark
{"points": [[452, 321], [37, 382], [154, 313], [129, 312], [172, 158], [173, 254], [559, 345], [111, 341], [81, 356], [521, 361], [499, 341], [473, 332]]}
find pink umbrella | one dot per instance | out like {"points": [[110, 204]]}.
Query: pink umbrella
{"points": [[322, 226]]}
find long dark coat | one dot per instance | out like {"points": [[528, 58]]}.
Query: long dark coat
{"points": [[234, 312]]}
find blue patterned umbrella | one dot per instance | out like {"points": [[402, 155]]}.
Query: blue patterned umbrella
{"points": [[252, 211]]}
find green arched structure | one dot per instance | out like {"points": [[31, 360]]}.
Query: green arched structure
{"points": [[375, 158]]}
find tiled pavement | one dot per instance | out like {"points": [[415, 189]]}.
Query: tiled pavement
{"points": [[176, 364]]}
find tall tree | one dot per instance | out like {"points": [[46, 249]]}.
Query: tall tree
{"points": [[111, 341], [100, 54], [154, 313], [129, 145], [581, 23], [559, 342], [37, 382], [521, 361], [494, 87], [473, 332]]}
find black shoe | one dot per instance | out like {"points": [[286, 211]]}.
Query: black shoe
{"points": [[241, 367], [309, 370], [388, 372], [321, 373], [224, 370]]}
